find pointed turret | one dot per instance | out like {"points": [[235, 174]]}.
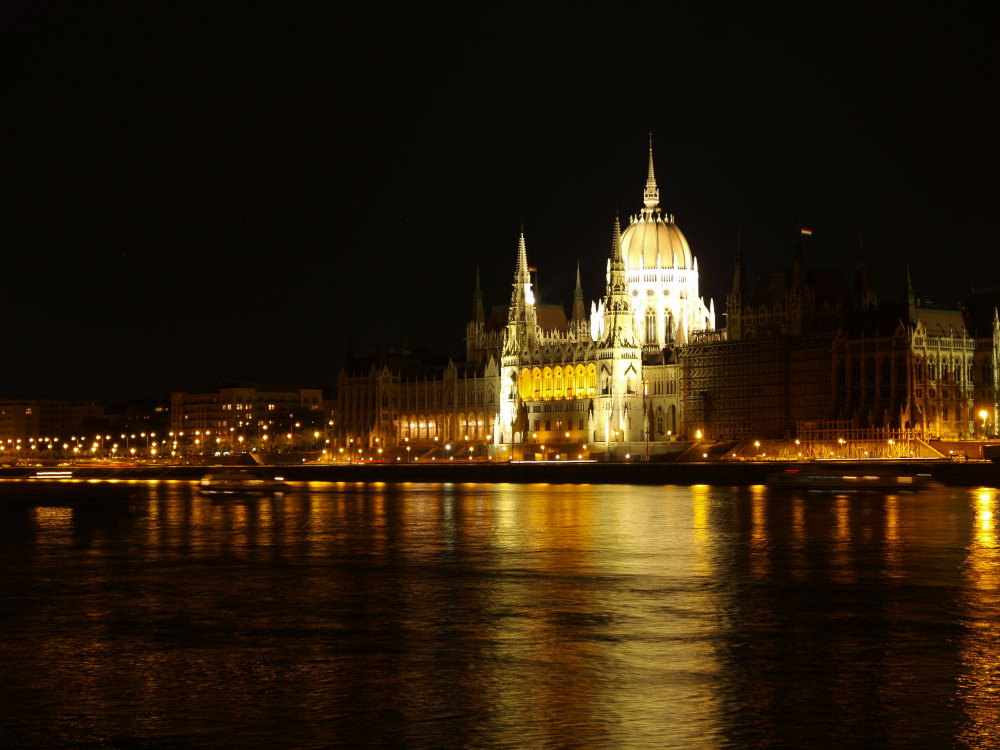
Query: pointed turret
{"points": [[579, 311], [864, 295], [651, 195], [616, 271], [522, 294], [478, 316], [911, 300], [799, 300], [739, 287], [618, 322], [521, 318], [737, 294]]}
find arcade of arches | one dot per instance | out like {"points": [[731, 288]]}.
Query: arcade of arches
{"points": [[559, 382]]}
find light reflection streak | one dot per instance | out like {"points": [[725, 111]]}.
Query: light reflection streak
{"points": [[979, 682], [842, 561], [759, 543], [799, 540], [893, 542], [568, 627], [700, 528], [54, 521]]}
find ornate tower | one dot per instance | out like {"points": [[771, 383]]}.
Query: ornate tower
{"points": [[579, 322], [619, 324], [662, 274], [522, 322], [618, 404], [734, 302]]}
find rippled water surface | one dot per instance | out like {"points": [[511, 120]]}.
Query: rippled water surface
{"points": [[477, 615]]}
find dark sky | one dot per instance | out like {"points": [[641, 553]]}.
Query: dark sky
{"points": [[191, 196]]}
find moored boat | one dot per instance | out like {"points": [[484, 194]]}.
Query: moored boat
{"points": [[853, 479], [238, 483]]}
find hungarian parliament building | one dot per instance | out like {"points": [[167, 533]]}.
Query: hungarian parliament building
{"points": [[805, 354]]}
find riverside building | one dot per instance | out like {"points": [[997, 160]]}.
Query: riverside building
{"points": [[805, 355], [539, 385]]}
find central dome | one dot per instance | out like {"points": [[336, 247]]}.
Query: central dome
{"points": [[651, 241]]}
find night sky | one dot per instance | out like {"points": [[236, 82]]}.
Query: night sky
{"points": [[193, 196]]}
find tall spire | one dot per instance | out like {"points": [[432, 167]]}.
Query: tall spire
{"points": [[651, 195], [616, 243], [618, 328], [864, 295], [522, 276], [617, 292], [521, 319], [478, 315], [579, 311], [739, 275], [911, 298]]}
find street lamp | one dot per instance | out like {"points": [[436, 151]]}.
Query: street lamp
{"points": [[983, 414]]}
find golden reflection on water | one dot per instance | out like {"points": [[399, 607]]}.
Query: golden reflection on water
{"points": [[979, 682], [759, 545], [700, 527], [537, 615], [799, 542], [561, 648], [842, 563], [893, 540]]}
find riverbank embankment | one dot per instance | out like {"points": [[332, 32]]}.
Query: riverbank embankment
{"points": [[724, 473]]}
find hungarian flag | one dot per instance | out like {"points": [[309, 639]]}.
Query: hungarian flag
{"points": [[807, 232]]}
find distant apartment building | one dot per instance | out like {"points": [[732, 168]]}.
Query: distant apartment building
{"points": [[46, 418], [248, 411]]}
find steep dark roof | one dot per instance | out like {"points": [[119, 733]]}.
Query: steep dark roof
{"points": [[551, 317], [980, 310], [828, 285]]}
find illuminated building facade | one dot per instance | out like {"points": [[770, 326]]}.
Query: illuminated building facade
{"points": [[805, 353], [806, 356], [413, 404], [45, 420], [918, 366], [536, 385], [257, 413]]}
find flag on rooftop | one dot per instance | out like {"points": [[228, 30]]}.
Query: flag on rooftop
{"points": [[807, 232]]}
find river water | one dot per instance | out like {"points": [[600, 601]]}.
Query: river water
{"points": [[481, 615]]}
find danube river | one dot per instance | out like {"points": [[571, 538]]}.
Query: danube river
{"points": [[501, 615]]}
